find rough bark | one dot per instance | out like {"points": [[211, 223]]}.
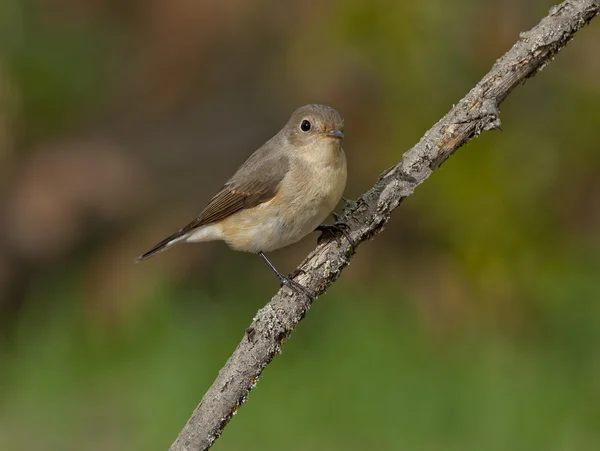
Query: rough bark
{"points": [[476, 112]]}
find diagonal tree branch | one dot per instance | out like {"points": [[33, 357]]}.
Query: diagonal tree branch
{"points": [[476, 112]]}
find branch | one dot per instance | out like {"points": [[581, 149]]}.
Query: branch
{"points": [[476, 112]]}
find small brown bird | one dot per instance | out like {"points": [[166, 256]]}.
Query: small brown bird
{"points": [[280, 194]]}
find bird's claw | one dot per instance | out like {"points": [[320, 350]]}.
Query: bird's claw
{"points": [[334, 230], [295, 286], [296, 272]]}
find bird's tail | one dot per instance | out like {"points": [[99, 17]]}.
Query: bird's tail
{"points": [[163, 245]]}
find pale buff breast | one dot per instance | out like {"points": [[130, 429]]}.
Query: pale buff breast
{"points": [[308, 194]]}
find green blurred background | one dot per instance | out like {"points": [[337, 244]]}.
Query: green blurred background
{"points": [[471, 323]]}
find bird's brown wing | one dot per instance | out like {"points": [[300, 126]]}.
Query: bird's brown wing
{"points": [[255, 182]]}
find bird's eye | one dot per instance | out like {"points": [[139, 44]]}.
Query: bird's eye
{"points": [[305, 125]]}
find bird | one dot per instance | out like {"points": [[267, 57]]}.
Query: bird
{"points": [[280, 194]]}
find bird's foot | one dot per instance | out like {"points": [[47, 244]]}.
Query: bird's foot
{"points": [[335, 230], [295, 286], [287, 281], [295, 273]]}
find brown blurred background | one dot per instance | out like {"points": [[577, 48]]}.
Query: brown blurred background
{"points": [[472, 322]]}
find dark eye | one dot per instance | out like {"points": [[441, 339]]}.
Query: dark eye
{"points": [[305, 125]]}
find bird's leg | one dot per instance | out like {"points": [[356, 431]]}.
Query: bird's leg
{"points": [[336, 229], [286, 280]]}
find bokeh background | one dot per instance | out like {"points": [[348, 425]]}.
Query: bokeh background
{"points": [[471, 323]]}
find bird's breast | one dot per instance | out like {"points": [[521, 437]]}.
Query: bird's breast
{"points": [[306, 196], [310, 194]]}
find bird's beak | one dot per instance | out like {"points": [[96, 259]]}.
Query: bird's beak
{"points": [[335, 134]]}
